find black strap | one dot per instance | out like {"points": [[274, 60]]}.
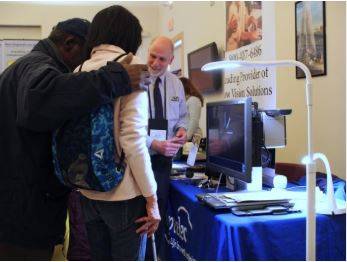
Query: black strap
{"points": [[80, 69], [165, 114], [115, 60], [149, 103], [119, 57], [122, 156]]}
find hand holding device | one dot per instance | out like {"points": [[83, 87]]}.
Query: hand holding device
{"points": [[181, 136], [167, 147]]}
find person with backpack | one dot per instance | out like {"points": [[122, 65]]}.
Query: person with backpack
{"points": [[117, 217], [38, 93]]}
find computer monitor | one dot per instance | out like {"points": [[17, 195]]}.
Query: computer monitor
{"points": [[206, 82], [229, 138]]}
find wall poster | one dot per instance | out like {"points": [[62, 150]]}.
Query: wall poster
{"points": [[310, 37], [14, 49], [248, 39]]}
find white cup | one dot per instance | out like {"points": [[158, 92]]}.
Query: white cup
{"points": [[280, 182]]}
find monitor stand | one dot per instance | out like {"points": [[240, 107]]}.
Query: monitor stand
{"points": [[235, 184]]}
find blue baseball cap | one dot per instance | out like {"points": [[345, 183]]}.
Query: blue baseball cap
{"points": [[74, 26]]}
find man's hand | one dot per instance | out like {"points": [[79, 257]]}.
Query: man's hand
{"points": [[181, 136], [167, 148], [138, 74], [152, 220]]}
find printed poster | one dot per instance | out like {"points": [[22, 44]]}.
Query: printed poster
{"points": [[250, 35], [14, 49]]}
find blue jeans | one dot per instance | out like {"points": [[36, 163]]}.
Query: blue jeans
{"points": [[111, 228]]}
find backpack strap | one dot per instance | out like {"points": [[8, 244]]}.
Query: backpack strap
{"points": [[122, 154], [122, 157], [80, 69], [119, 57]]}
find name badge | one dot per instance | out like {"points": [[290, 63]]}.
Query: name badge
{"points": [[156, 134], [157, 129]]}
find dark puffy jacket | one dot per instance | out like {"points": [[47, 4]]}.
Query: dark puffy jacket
{"points": [[37, 95]]}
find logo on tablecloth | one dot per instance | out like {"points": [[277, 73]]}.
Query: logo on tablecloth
{"points": [[181, 223], [180, 226]]}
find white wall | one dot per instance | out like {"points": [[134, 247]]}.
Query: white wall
{"points": [[48, 15], [202, 23], [329, 92]]}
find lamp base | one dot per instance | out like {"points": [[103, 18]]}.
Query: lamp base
{"points": [[324, 208]]}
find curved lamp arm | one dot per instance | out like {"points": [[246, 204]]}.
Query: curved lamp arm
{"points": [[330, 205]]}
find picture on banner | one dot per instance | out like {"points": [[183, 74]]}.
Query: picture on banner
{"points": [[246, 39], [243, 23], [310, 37]]}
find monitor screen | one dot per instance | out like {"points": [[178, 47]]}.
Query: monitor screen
{"points": [[229, 138], [204, 81]]}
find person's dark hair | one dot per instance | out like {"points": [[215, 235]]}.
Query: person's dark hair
{"points": [[191, 90], [58, 37], [76, 27], [114, 25]]}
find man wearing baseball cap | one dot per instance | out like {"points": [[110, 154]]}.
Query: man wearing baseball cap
{"points": [[38, 93]]}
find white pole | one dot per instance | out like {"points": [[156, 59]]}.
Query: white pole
{"points": [[310, 176], [154, 248]]}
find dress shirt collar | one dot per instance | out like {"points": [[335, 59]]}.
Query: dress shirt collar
{"points": [[162, 78]]}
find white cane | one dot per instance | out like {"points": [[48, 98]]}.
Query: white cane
{"points": [[154, 248]]}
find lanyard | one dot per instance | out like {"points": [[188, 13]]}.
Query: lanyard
{"points": [[149, 101]]}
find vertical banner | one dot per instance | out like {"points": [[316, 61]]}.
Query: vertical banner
{"points": [[250, 35], [14, 49]]}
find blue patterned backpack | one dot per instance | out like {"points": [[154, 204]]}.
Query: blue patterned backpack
{"points": [[84, 152]]}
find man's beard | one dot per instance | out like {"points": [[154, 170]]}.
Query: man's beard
{"points": [[156, 73]]}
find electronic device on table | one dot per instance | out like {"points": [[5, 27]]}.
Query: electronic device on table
{"points": [[239, 138], [189, 167], [183, 168], [231, 147], [248, 203], [235, 142]]}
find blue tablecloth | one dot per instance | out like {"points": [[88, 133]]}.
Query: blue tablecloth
{"points": [[200, 233]]}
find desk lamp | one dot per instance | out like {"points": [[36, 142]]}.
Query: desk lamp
{"points": [[310, 164], [328, 205]]}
